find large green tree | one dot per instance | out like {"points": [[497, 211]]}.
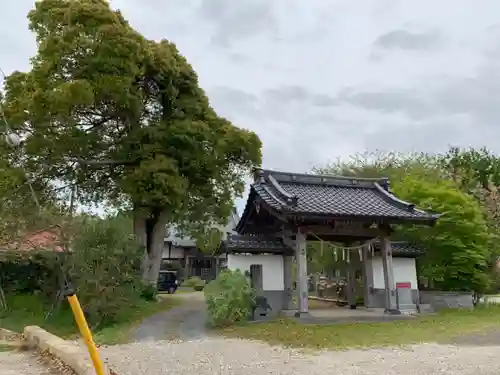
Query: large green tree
{"points": [[477, 172], [460, 245], [124, 119]]}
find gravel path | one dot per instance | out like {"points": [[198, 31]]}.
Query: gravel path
{"points": [[224, 356], [186, 322], [196, 353], [22, 363]]}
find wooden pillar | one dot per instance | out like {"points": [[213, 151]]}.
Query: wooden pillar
{"points": [[216, 266], [367, 275], [301, 257], [288, 281], [390, 286], [186, 266], [351, 278]]}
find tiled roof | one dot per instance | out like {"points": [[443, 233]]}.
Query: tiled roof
{"points": [[42, 240], [254, 244], [333, 196], [402, 248], [260, 244]]}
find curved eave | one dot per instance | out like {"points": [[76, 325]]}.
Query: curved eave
{"points": [[247, 211], [425, 217]]}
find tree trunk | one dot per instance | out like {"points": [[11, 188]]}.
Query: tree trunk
{"points": [[149, 229], [156, 237], [140, 218]]}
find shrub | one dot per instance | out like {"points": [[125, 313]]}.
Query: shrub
{"points": [[229, 299], [105, 264], [192, 281], [149, 292], [199, 286], [39, 272]]}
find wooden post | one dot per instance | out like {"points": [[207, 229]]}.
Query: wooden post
{"points": [[288, 281], [301, 256], [351, 279], [367, 275], [390, 287]]}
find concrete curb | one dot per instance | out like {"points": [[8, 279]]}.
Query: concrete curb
{"points": [[7, 335], [67, 352]]}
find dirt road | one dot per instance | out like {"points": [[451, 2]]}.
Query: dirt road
{"points": [[23, 363], [192, 351], [223, 356]]}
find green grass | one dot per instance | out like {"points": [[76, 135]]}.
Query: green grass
{"points": [[120, 333], [179, 291], [6, 348], [442, 327], [24, 310], [27, 310]]}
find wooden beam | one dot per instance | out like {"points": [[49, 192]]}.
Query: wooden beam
{"points": [[332, 231]]}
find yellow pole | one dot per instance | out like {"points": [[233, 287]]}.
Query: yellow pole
{"points": [[84, 329]]}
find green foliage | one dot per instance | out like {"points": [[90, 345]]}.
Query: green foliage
{"points": [[192, 281], [208, 239], [229, 299], [105, 264], [149, 292], [457, 246], [18, 207], [470, 167], [321, 257], [199, 287], [392, 165], [38, 273], [462, 247], [123, 117], [31, 309]]}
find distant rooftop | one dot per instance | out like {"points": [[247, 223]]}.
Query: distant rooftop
{"points": [[173, 235]]}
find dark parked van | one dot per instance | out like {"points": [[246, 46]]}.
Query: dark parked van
{"points": [[167, 282]]}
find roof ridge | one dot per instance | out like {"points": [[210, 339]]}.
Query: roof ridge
{"points": [[393, 199], [290, 199], [305, 178]]}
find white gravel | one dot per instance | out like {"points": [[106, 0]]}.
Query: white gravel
{"points": [[22, 363], [223, 356]]}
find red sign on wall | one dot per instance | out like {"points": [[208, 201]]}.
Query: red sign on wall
{"points": [[403, 285]]}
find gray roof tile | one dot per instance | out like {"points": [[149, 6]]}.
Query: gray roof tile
{"points": [[402, 248], [333, 196], [257, 244]]}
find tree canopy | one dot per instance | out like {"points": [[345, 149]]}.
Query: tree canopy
{"points": [[458, 245], [462, 249], [123, 119]]}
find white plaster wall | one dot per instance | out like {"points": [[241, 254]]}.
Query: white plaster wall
{"points": [[175, 252], [272, 268], [405, 270]]}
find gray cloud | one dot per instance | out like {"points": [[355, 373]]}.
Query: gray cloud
{"points": [[325, 79], [406, 40], [474, 97], [233, 20], [233, 102], [298, 95], [407, 101]]}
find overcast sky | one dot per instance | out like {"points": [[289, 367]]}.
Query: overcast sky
{"points": [[323, 79]]}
